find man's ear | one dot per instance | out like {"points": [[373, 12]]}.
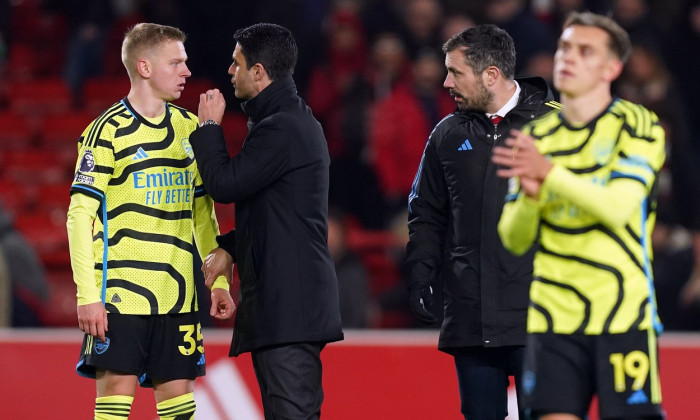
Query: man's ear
{"points": [[492, 73], [143, 66], [259, 72], [613, 70]]}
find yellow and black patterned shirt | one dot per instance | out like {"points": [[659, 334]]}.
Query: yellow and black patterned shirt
{"points": [[594, 218], [144, 175]]}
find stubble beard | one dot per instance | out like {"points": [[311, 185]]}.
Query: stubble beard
{"points": [[479, 101]]}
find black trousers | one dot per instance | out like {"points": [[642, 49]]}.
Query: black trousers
{"points": [[482, 373], [289, 378]]}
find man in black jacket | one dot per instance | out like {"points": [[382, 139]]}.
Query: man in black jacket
{"points": [[288, 308], [454, 208]]}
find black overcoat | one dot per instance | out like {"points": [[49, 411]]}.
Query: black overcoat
{"points": [[279, 183]]}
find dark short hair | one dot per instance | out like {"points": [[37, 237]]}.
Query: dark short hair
{"points": [[486, 45], [271, 45], [619, 39]]}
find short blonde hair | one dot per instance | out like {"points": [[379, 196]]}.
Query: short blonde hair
{"points": [[145, 36]]}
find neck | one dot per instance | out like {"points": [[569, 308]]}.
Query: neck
{"points": [[261, 85], [501, 95], [582, 109], [145, 103]]}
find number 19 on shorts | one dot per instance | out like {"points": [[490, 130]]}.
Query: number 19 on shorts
{"points": [[634, 364]]}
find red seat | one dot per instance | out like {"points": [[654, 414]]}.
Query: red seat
{"points": [[40, 97], [38, 167], [44, 32], [23, 62], [63, 131], [361, 240], [25, 19], [54, 197], [374, 247], [383, 271], [17, 131], [46, 233], [60, 311], [16, 197], [99, 93]]}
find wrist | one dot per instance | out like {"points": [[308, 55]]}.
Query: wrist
{"points": [[546, 168], [208, 122], [220, 283]]}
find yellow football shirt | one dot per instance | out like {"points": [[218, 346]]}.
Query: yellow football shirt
{"points": [[593, 218], [152, 204]]}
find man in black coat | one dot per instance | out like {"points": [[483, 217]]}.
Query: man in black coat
{"points": [[288, 308], [454, 208]]}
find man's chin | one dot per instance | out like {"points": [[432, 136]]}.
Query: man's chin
{"points": [[172, 98], [471, 107], [241, 96]]}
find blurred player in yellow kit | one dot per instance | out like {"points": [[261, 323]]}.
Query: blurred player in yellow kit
{"points": [[584, 185]]}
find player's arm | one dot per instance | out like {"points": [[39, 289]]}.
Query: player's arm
{"points": [[93, 171], [522, 164], [639, 158], [519, 220], [206, 228], [92, 316], [613, 204]]}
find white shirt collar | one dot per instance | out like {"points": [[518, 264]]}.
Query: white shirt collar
{"points": [[512, 102]]}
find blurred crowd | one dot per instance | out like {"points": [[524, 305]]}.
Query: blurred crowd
{"points": [[372, 72]]}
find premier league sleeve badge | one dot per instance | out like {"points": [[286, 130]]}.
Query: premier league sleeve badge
{"points": [[87, 164]]}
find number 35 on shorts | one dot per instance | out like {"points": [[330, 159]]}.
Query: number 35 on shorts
{"points": [[190, 343], [634, 364]]}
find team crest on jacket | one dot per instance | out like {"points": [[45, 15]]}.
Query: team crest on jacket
{"points": [[187, 147], [87, 163]]}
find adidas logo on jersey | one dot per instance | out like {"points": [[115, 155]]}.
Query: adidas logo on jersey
{"points": [[140, 154], [465, 146], [116, 298], [638, 397]]}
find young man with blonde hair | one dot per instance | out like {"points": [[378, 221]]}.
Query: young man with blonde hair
{"points": [[137, 202]]}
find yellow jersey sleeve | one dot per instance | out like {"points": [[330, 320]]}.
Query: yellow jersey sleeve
{"points": [[614, 202], [81, 214], [206, 228], [519, 221]]}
